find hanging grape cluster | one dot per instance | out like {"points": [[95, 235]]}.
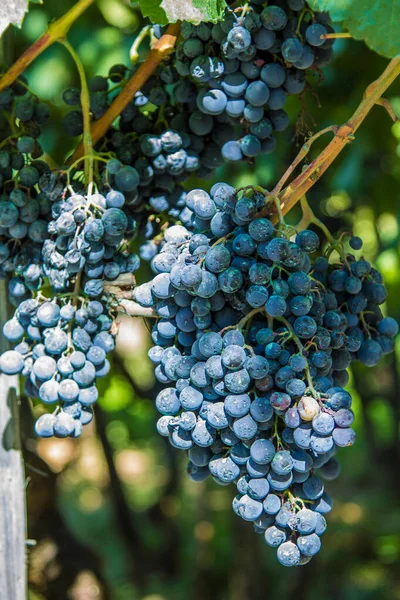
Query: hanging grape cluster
{"points": [[255, 336], [58, 248]]}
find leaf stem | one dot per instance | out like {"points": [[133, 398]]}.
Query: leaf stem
{"points": [[335, 36], [134, 51], [301, 155], [307, 215]]}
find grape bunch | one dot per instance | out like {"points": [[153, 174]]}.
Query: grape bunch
{"points": [[61, 351], [87, 235], [67, 238], [61, 348], [57, 234], [20, 134], [161, 162], [145, 162], [219, 98], [64, 235], [241, 70], [23, 209], [253, 341]]}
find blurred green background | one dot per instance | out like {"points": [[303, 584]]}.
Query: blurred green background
{"points": [[114, 514]]}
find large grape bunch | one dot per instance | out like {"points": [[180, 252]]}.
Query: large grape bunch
{"points": [[253, 341], [58, 249], [241, 70]]}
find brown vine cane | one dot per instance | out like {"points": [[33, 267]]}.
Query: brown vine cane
{"points": [[162, 48], [55, 32]]}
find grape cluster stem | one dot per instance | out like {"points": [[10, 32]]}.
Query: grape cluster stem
{"points": [[85, 103], [301, 350]]}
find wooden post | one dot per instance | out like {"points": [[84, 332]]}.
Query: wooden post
{"points": [[12, 481]]}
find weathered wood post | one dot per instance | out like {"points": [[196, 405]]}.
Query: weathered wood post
{"points": [[12, 481]]}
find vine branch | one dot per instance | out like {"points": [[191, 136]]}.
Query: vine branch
{"points": [[133, 309], [289, 196], [162, 48], [55, 32]]}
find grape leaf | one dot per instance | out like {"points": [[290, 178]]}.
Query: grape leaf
{"points": [[171, 11], [377, 22], [12, 12]]}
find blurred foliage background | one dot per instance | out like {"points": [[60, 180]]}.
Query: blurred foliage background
{"points": [[113, 513]]}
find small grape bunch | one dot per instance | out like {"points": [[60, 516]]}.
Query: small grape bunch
{"points": [[61, 351], [161, 163], [86, 237]]}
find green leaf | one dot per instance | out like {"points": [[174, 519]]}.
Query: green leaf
{"points": [[12, 12], [377, 22], [171, 11], [338, 9]]}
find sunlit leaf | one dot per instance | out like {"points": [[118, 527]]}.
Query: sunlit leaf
{"points": [[12, 12], [171, 11]]}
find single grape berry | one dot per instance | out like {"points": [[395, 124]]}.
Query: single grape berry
{"points": [[355, 243]]}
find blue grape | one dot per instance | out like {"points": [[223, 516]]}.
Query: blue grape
{"points": [[247, 508], [273, 18], [44, 426], [257, 93], [292, 50], [314, 33], [239, 37]]}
